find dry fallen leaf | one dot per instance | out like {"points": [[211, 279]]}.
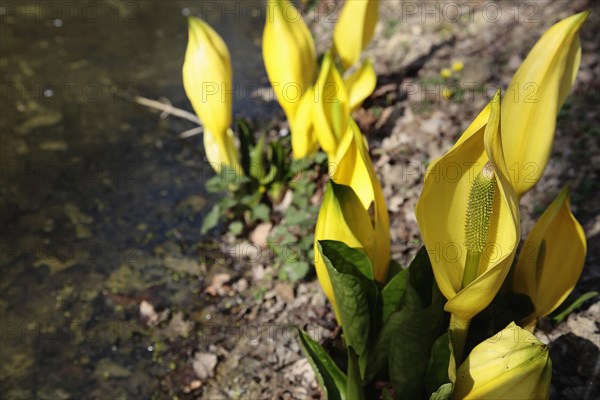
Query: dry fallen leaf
{"points": [[217, 285], [148, 313], [260, 234], [204, 365]]}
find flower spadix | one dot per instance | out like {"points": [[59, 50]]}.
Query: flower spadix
{"points": [[290, 61], [513, 364], [468, 216], [552, 257], [207, 80], [353, 209], [534, 97], [354, 29]]}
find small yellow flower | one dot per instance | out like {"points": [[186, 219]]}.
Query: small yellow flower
{"points": [[457, 66], [445, 73], [447, 93]]}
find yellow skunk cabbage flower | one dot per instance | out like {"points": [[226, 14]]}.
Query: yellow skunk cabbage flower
{"points": [[354, 29], [469, 220], [208, 84], [534, 97], [290, 59], [304, 139], [552, 257], [360, 84], [353, 209], [332, 110], [513, 364]]}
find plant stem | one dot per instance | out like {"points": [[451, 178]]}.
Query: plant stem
{"points": [[458, 334]]}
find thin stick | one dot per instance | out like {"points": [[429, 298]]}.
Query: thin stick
{"points": [[167, 109], [191, 132]]}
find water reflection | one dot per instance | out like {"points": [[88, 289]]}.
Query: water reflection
{"points": [[101, 202]]}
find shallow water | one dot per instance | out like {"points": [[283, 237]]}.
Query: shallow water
{"points": [[101, 202]]}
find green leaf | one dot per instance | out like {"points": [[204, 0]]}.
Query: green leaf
{"points": [[422, 320], [560, 317], [331, 379], [246, 143], [215, 184], [270, 175], [320, 157], [354, 293], [392, 293], [261, 212], [354, 387], [257, 166], [378, 356], [294, 271], [211, 219], [293, 216], [444, 392], [421, 276], [348, 259], [228, 202], [236, 228], [393, 269], [440, 360]]}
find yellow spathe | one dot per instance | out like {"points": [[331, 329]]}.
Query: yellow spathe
{"points": [[441, 215], [207, 80]]}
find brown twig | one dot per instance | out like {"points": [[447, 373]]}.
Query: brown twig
{"points": [[167, 109]]}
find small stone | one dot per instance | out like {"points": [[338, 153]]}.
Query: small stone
{"points": [[204, 365]]}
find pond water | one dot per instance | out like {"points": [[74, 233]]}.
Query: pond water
{"points": [[101, 202]]}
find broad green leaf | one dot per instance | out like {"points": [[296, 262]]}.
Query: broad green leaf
{"points": [[331, 379], [440, 360], [354, 389], [378, 356], [421, 276], [420, 327], [392, 293], [352, 292], [348, 259], [211, 219], [560, 317], [394, 269]]}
